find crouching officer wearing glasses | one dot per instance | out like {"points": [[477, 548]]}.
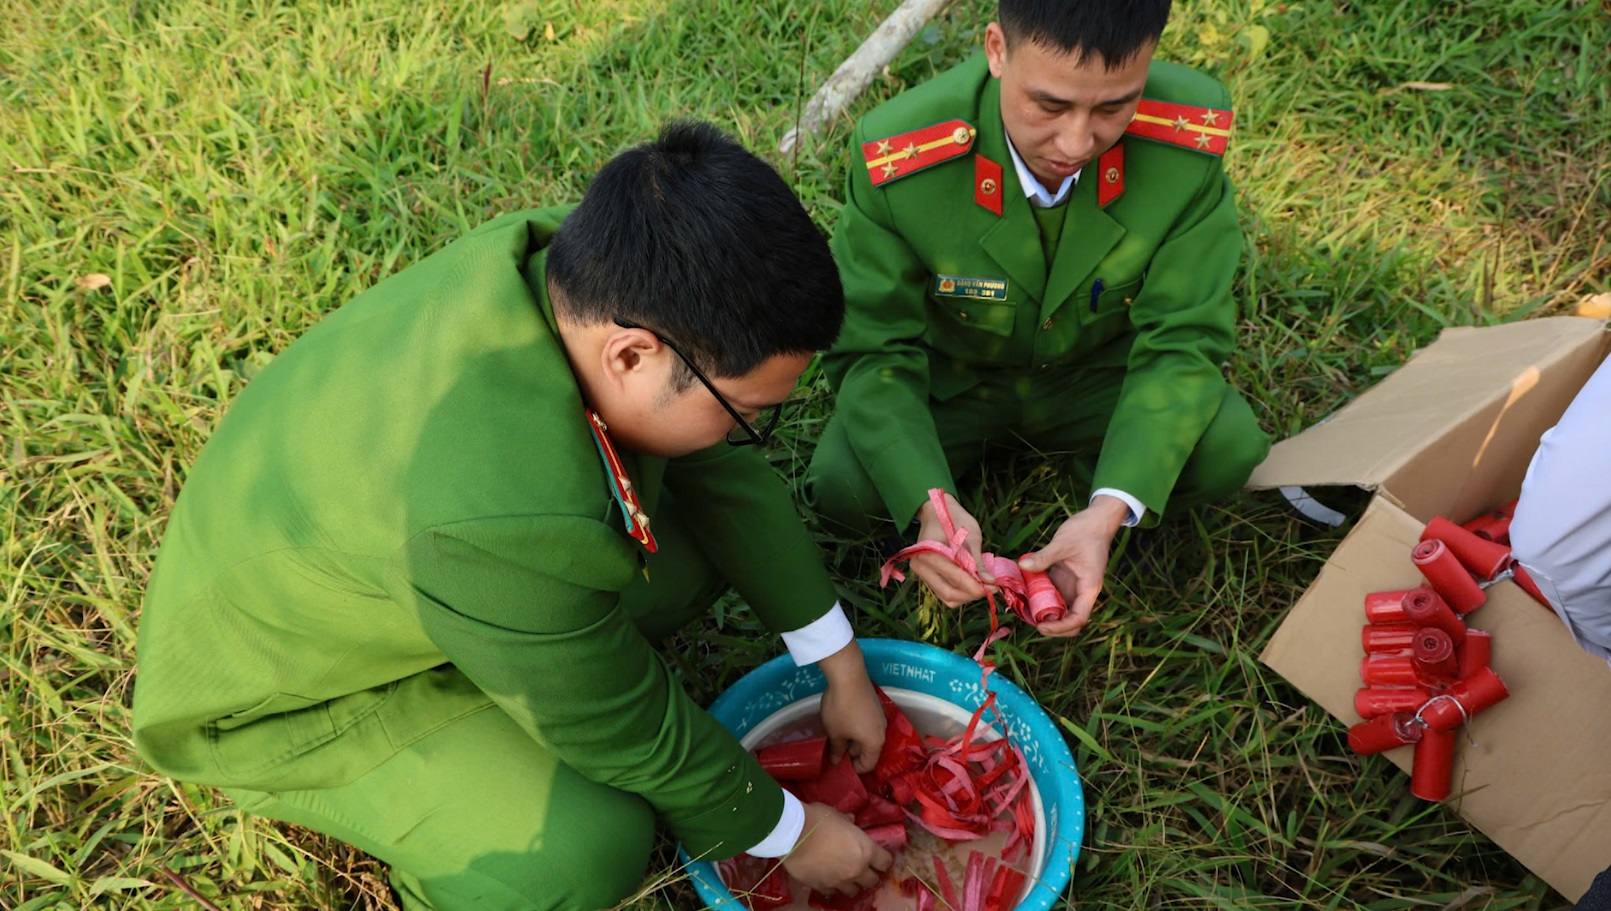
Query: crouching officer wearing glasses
{"points": [[410, 593]]}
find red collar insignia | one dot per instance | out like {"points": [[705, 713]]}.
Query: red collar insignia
{"points": [[637, 524]]}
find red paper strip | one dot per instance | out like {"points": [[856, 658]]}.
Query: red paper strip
{"points": [[1030, 595]]}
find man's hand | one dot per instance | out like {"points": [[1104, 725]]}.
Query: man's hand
{"points": [[833, 855], [947, 580], [851, 712], [1077, 559]]}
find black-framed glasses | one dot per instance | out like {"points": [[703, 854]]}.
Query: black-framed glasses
{"points": [[745, 433]]}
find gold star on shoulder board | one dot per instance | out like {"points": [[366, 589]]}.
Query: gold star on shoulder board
{"points": [[1211, 118], [1181, 123], [883, 146], [1202, 140], [890, 169], [910, 151]]}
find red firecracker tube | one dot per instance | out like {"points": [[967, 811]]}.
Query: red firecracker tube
{"points": [[1423, 607], [1379, 735], [1434, 653], [1447, 711], [1434, 765], [1438, 564]]}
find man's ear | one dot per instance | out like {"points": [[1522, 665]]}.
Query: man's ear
{"points": [[627, 354], [995, 44]]}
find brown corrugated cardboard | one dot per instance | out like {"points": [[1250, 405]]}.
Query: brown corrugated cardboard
{"points": [[1451, 434]]}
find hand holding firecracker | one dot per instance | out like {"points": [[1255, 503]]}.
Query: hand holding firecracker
{"points": [[1030, 595]]}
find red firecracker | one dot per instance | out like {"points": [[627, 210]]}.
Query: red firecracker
{"points": [[1482, 558], [1434, 765], [1448, 576]]}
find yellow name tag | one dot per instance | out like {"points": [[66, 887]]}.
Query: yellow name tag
{"points": [[988, 289]]}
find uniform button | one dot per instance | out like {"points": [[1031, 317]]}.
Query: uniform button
{"points": [[1045, 366], [1128, 301], [1046, 326], [963, 315]]}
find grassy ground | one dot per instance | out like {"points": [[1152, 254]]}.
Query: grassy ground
{"points": [[188, 184]]}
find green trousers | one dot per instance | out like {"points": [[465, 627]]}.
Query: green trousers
{"points": [[1063, 413], [478, 815]]}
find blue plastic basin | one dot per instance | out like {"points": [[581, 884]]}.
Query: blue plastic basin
{"points": [[932, 672]]}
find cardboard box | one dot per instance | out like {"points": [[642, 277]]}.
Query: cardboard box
{"points": [[1451, 433]]}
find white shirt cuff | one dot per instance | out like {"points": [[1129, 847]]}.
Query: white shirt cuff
{"points": [[781, 839], [1136, 509], [818, 639]]}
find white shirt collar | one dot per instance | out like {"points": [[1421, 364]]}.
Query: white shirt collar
{"points": [[1033, 191]]}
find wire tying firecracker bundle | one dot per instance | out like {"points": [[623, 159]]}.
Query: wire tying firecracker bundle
{"points": [[1031, 595], [1425, 672]]}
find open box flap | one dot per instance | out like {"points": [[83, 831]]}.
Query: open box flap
{"points": [[1536, 780], [1469, 376]]}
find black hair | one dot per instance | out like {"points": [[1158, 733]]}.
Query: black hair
{"points": [[694, 237], [1115, 30]]}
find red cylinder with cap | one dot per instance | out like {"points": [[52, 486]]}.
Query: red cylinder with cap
{"points": [[1385, 607], [1373, 702], [1434, 653], [1448, 577], [1433, 768], [1390, 671], [1475, 652], [1388, 638], [1423, 607], [1482, 558], [1449, 710], [1379, 735]]}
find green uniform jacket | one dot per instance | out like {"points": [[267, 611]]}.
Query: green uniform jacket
{"points": [[413, 483], [1165, 253]]}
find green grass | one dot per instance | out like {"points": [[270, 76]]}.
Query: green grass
{"points": [[237, 168]]}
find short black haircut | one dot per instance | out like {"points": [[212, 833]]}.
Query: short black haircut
{"points": [[1115, 30], [694, 237]]}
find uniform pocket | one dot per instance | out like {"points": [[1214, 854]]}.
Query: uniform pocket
{"points": [[994, 317], [1110, 302], [249, 743]]}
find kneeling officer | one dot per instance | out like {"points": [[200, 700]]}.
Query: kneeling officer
{"points": [[409, 594]]}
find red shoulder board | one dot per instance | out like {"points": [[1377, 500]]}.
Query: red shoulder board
{"points": [[1205, 130], [637, 524], [896, 156]]}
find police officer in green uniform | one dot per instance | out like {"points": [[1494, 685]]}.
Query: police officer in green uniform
{"points": [[1037, 248], [409, 594]]}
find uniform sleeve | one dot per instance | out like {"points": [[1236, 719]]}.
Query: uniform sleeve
{"points": [[528, 608], [878, 368], [1184, 318], [744, 521], [1561, 533]]}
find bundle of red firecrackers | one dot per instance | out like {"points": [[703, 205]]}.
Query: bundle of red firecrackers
{"points": [[960, 789], [1425, 672]]}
